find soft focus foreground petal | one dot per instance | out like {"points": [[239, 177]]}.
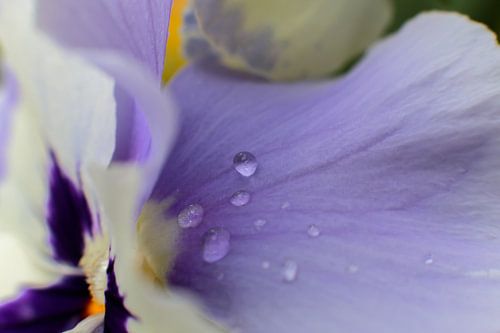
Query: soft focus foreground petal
{"points": [[154, 115], [8, 96], [380, 192], [48, 310], [90, 324], [291, 39], [72, 101], [153, 309], [137, 27]]}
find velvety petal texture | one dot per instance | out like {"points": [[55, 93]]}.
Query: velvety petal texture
{"points": [[374, 205], [136, 27], [8, 96], [289, 39]]}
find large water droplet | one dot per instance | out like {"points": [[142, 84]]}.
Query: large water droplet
{"points": [[259, 224], [191, 216], [313, 231], [290, 270], [245, 163], [240, 198], [215, 244]]}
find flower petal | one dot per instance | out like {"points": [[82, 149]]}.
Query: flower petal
{"points": [[138, 28], [48, 310], [8, 97], [291, 39], [380, 190], [152, 309]]}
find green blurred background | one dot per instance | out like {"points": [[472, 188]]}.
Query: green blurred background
{"points": [[486, 11]]}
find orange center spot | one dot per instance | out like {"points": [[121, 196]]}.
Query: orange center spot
{"points": [[94, 307], [174, 57]]}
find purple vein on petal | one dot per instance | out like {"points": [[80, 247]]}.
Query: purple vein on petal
{"points": [[68, 217], [116, 316], [46, 310]]}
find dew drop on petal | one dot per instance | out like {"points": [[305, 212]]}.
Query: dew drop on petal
{"points": [[215, 244], [265, 264], [429, 260], [352, 269], [240, 198], [290, 270], [191, 216], [259, 224], [245, 163], [285, 205], [313, 231]]}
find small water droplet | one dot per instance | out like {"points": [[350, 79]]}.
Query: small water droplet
{"points": [[352, 269], [313, 231], [191, 216], [285, 205], [220, 277], [245, 163], [290, 270], [259, 224], [265, 264], [429, 260], [215, 244], [240, 198]]}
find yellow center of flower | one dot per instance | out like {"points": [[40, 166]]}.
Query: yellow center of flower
{"points": [[155, 242], [174, 56]]}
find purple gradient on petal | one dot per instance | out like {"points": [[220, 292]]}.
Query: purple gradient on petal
{"points": [[137, 28], [8, 98], [68, 217], [56, 308], [395, 162], [133, 138], [116, 316]]}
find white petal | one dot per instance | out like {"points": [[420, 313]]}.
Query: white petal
{"points": [[90, 324], [291, 39], [118, 189]]}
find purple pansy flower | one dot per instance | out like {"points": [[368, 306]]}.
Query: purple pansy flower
{"points": [[365, 204]]}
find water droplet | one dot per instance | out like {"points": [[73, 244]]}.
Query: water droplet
{"points": [[245, 163], [290, 270], [352, 269], [220, 276], [259, 224], [265, 264], [313, 231], [215, 244], [240, 198], [191, 216], [285, 205], [429, 260]]}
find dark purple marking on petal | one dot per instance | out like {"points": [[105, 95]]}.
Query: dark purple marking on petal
{"points": [[68, 217], [47, 310], [116, 316]]}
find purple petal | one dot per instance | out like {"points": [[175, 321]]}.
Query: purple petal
{"points": [[380, 192], [53, 309], [139, 27], [68, 217]]}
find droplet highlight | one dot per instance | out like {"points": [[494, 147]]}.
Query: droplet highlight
{"points": [[290, 271], [191, 216], [265, 264], [216, 243], [240, 198], [285, 205], [429, 260], [259, 224], [245, 163], [313, 231]]}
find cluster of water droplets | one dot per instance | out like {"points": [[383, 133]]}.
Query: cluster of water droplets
{"points": [[216, 241]]}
